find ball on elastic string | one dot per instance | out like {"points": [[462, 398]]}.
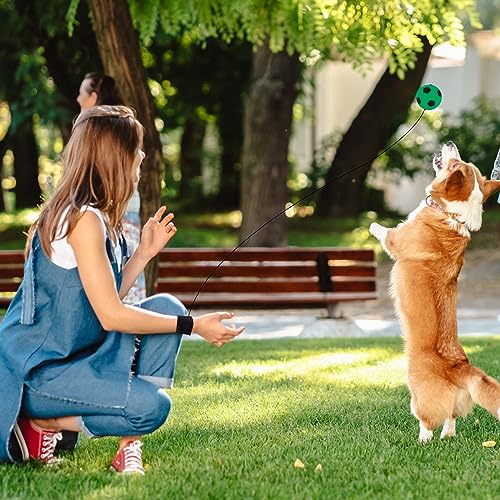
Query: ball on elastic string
{"points": [[429, 96]]}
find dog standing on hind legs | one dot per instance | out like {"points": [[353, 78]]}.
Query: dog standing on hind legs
{"points": [[428, 250]]}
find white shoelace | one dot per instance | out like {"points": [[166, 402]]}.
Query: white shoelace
{"points": [[49, 443], [132, 457]]}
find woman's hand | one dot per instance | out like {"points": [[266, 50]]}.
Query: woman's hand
{"points": [[156, 233], [210, 327]]}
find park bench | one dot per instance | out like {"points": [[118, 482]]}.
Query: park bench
{"points": [[292, 277], [268, 277], [11, 274]]}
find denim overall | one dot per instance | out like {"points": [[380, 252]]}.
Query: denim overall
{"points": [[56, 359]]}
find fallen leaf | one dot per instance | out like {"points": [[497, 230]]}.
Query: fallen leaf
{"points": [[299, 464], [318, 468], [489, 444]]}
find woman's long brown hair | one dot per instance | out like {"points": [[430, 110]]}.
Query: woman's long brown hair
{"points": [[97, 170]]}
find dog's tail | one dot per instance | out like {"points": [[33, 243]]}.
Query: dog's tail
{"points": [[483, 389]]}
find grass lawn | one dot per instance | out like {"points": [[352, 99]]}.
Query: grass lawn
{"points": [[243, 414], [222, 230]]}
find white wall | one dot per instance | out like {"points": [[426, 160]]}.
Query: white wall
{"points": [[457, 73], [339, 93]]}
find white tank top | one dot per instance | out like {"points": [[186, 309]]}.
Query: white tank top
{"points": [[62, 252]]}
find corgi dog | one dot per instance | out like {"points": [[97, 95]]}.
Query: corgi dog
{"points": [[428, 249]]}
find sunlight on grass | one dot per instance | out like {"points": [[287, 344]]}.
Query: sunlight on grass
{"points": [[387, 374], [472, 349], [20, 218], [241, 410], [232, 219], [213, 219], [295, 367], [276, 384]]}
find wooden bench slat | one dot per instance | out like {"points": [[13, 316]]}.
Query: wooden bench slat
{"points": [[9, 286], [262, 286], [12, 257], [11, 272], [264, 253], [6, 297], [269, 270], [273, 300]]}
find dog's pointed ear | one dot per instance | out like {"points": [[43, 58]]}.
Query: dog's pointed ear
{"points": [[490, 187], [454, 183], [437, 163]]}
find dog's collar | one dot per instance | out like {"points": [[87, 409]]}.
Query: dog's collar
{"points": [[431, 203]]}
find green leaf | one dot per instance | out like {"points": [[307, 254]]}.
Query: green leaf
{"points": [[71, 16]]}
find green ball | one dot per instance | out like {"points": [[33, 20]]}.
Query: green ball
{"points": [[429, 96]]}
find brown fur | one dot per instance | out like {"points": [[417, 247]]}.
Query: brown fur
{"points": [[428, 250]]}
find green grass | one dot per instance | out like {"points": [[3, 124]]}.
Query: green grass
{"points": [[243, 414], [222, 230], [13, 226]]}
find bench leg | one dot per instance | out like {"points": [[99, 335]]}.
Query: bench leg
{"points": [[334, 311]]}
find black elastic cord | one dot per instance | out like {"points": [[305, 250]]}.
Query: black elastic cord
{"points": [[298, 201]]}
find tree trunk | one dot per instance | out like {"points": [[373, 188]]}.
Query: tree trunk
{"points": [[386, 109], [267, 122], [120, 55], [230, 124], [191, 156], [25, 149], [3, 150]]}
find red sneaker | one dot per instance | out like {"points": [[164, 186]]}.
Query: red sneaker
{"points": [[128, 460], [40, 444]]}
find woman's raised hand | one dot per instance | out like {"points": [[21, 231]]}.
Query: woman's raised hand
{"points": [[210, 327], [157, 232]]}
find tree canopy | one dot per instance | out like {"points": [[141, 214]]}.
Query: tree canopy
{"points": [[358, 31]]}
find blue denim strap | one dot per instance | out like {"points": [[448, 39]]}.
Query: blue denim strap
{"points": [[28, 312]]}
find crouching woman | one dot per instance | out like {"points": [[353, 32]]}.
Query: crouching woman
{"points": [[73, 356]]}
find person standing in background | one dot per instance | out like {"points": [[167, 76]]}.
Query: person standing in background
{"points": [[97, 89]]}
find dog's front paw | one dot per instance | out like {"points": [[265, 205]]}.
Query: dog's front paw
{"points": [[378, 231]]}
